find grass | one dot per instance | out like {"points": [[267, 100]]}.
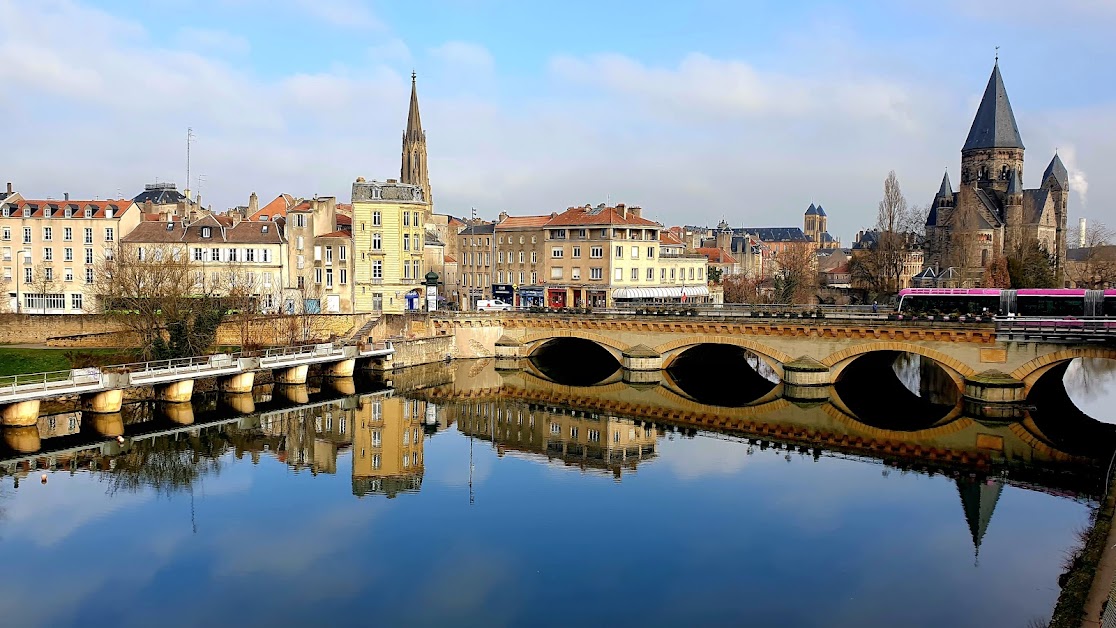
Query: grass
{"points": [[16, 361]]}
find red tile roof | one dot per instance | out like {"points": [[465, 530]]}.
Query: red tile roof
{"points": [[57, 209], [244, 232], [589, 216], [337, 234], [523, 222], [277, 207], [669, 239], [449, 259], [716, 255], [342, 219]]}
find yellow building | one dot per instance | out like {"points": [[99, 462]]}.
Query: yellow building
{"points": [[387, 445], [388, 245]]}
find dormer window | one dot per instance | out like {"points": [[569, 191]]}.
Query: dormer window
{"points": [[170, 225], [207, 232], [263, 229], [108, 213], [5, 211], [68, 212], [89, 212], [26, 211]]}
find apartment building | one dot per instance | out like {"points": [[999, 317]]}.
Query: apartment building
{"points": [[389, 234], [475, 250], [227, 254], [50, 249], [320, 262], [520, 258]]}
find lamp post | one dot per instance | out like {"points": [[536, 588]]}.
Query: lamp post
{"points": [[431, 291]]}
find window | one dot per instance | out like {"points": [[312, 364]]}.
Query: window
{"points": [[265, 256], [556, 252], [406, 219], [48, 274], [594, 435], [318, 275], [47, 234], [27, 274], [662, 274], [619, 252], [534, 277], [672, 274], [249, 255], [48, 254], [521, 257], [88, 256], [635, 274], [341, 253], [406, 242], [521, 276], [575, 273], [196, 255], [581, 233], [89, 235], [691, 272], [76, 301], [555, 429], [618, 275], [534, 257], [267, 279], [650, 274], [406, 270], [377, 242], [376, 219], [301, 282], [604, 234], [299, 242], [556, 272], [68, 274], [576, 252], [596, 273], [650, 252], [215, 254], [499, 276], [329, 277], [27, 235], [329, 255], [7, 234], [344, 276], [232, 255], [67, 234], [500, 257], [207, 232], [596, 252], [300, 220], [635, 252], [89, 276]]}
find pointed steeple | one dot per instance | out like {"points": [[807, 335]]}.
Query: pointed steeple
{"points": [[1015, 184], [414, 122], [978, 499], [811, 210], [1057, 170], [946, 189], [994, 125]]}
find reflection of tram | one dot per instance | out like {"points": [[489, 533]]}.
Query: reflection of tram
{"points": [[1046, 303]]}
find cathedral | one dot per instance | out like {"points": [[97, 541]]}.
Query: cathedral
{"points": [[990, 214]]}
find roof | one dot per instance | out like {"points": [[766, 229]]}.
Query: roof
{"points": [[776, 234], [159, 194], [414, 123], [449, 259], [1015, 184], [1057, 170], [277, 207], [946, 189], [826, 238], [843, 269], [667, 237], [1105, 252], [821, 211], [57, 209], [348, 235], [523, 222], [811, 210], [343, 219], [994, 125], [431, 239], [600, 215], [716, 255], [483, 229], [244, 232]]}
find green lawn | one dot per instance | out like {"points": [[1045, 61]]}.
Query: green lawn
{"points": [[15, 361]]}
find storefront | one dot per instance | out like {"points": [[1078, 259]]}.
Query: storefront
{"points": [[556, 297], [597, 298], [503, 292], [687, 295], [531, 296]]}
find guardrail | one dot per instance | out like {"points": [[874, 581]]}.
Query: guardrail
{"points": [[1086, 328], [12, 384]]}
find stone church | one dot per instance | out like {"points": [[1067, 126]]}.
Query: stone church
{"points": [[991, 213]]}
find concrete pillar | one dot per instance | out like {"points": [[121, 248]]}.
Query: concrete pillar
{"points": [[24, 439], [106, 401], [342, 385], [806, 372], [109, 424], [239, 383], [20, 414], [641, 358], [296, 393], [242, 402], [292, 375], [508, 353], [180, 413], [175, 392], [343, 368], [994, 396]]}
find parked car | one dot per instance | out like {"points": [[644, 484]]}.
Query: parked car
{"points": [[495, 305]]}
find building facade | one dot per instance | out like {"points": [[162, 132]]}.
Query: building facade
{"points": [[51, 251], [475, 251], [388, 441], [320, 261], [388, 241]]}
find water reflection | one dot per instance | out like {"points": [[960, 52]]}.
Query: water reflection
{"points": [[722, 375], [1091, 386], [908, 392]]}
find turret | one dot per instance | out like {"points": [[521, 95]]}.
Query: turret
{"points": [[993, 148]]}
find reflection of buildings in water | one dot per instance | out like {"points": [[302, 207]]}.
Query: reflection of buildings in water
{"points": [[388, 445], [62, 424], [582, 439], [310, 437], [978, 499]]}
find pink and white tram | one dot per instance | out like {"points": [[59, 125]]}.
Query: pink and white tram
{"points": [[1029, 302]]}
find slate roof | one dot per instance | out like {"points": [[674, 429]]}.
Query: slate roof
{"points": [[1057, 170], [994, 125], [57, 209], [1106, 252], [1015, 184], [811, 210], [946, 190], [159, 194], [485, 229], [821, 211], [775, 234]]}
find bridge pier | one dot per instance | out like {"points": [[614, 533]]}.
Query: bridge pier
{"points": [[343, 385], [239, 383], [343, 368], [641, 358], [23, 439], [110, 424], [292, 375], [994, 395], [175, 392], [508, 353], [180, 413], [104, 402], [295, 393], [20, 414], [242, 402], [641, 378]]}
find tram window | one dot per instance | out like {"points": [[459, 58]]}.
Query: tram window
{"points": [[1052, 306], [1109, 308], [949, 304]]}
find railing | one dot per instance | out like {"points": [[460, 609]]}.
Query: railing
{"points": [[140, 371], [51, 380], [1087, 328]]}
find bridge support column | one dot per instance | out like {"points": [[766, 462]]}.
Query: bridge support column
{"points": [[241, 402], [295, 393], [806, 379], [180, 413], [994, 395], [292, 375], [639, 379], [175, 392], [106, 401], [239, 383], [508, 352], [641, 358], [106, 424], [24, 440], [380, 364], [344, 368], [20, 414], [343, 385]]}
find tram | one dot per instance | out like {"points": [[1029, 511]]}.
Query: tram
{"points": [[1033, 302]]}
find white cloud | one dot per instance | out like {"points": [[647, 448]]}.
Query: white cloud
{"points": [[463, 55], [211, 40]]}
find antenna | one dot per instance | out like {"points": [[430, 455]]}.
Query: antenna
{"points": [[197, 191], [190, 137]]}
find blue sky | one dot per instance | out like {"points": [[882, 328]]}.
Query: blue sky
{"points": [[743, 110]]}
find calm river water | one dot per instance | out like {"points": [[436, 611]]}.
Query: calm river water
{"points": [[466, 496]]}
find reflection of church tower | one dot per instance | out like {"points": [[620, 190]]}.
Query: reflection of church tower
{"points": [[978, 499], [413, 169]]}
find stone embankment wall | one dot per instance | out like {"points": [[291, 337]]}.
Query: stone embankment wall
{"points": [[37, 328], [415, 351], [91, 330]]}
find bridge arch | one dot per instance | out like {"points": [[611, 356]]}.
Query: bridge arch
{"points": [[533, 340], [956, 369], [1030, 372], [773, 357]]}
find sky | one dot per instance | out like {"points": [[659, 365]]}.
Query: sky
{"points": [[698, 111]]}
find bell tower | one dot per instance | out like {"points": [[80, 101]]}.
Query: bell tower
{"points": [[413, 169], [993, 151]]}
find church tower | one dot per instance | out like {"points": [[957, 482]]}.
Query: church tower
{"points": [[413, 169], [993, 150]]}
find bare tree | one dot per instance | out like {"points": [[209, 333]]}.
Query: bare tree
{"points": [[744, 289], [43, 283], [964, 247], [880, 263], [795, 275]]}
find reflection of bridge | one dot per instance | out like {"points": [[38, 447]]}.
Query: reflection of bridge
{"points": [[803, 352], [102, 389]]}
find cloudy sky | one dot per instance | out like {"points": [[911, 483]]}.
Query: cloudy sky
{"points": [[696, 111]]}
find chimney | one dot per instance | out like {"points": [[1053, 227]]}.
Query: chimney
{"points": [[636, 211], [622, 209], [236, 217], [65, 196], [253, 204], [9, 188], [504, 216], [1080, 233]]}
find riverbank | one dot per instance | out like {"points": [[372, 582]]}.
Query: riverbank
{"points": [[18, 360], [1088, 581]]}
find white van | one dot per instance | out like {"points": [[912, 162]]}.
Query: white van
{"points": [[495, 305]]}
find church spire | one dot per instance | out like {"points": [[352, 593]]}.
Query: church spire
{"points": [[946, 190], [994, 125], [413, 168]]}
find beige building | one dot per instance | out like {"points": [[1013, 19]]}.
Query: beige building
{"points": [[388, 445], [320, 261], [476, 253], [50, 249], [520, 259], [229, 256], [389, 237]]}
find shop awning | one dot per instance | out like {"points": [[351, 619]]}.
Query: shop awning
{"points": [[671, 292]]}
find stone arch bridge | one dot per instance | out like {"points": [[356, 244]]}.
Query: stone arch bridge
{"points": [[803, 352]]}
